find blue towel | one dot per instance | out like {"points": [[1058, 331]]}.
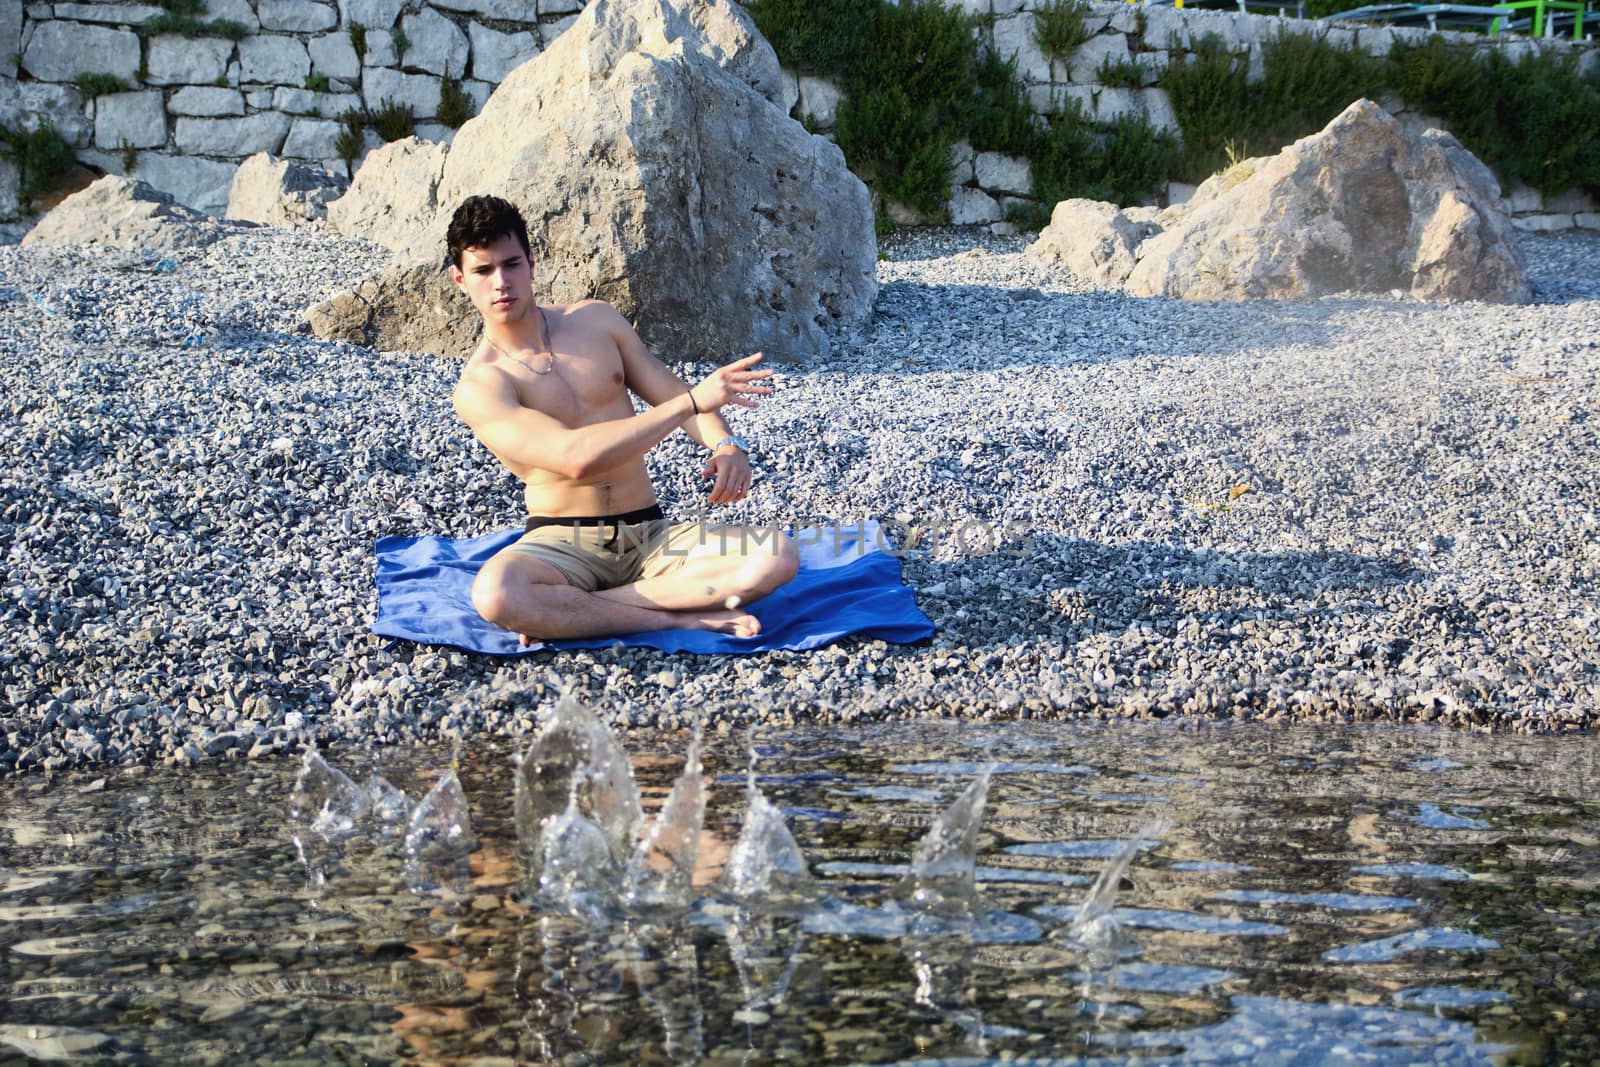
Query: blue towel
{"points": [[846, 585]]}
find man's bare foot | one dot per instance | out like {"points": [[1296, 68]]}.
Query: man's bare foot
{"points": [[737, 623]]}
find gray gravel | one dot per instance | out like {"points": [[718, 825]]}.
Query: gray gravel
{"points": [[1349, 508]]}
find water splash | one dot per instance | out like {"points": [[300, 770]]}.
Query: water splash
{"points": [[766, 866], [575, 749], [661, 870], [325, 802], [942, 876], [439, 836], [578, 871], [1095, 926], [388, 810]]}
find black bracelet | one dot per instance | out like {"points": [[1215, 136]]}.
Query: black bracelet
{"points": [[693, 404]]}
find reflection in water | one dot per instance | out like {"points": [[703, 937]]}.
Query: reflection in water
{"points": [[1306, 900]]}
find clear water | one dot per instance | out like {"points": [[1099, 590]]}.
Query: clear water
{"points": [[1315, 897]]}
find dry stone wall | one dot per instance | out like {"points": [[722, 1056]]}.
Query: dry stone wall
{"points": [[197, 107]]}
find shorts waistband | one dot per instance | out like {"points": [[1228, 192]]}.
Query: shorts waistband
{"points": [[648, 514]]}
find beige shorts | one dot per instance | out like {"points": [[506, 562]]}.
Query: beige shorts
{"points": [[614, 554]]}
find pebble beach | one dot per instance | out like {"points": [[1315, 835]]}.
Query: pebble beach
{"points": [[1349, 509]]}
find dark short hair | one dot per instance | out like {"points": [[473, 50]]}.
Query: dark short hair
{"points": [[480, 221]]}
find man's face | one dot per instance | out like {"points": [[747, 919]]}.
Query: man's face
{"points": [[497, 278]]}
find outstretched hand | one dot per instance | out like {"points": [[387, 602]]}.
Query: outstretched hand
{"points": [[732, 384]]}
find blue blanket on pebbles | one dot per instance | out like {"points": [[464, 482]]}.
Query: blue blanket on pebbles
{"points": [[847, 584]]}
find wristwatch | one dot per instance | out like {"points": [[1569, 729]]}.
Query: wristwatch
{"points": [[736, 441]]}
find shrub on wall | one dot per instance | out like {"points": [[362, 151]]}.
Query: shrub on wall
{"points": [[41, 156]]}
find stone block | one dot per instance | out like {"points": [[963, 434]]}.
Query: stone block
{"points": [[258, 99], [435, 131], [970, 206], [1522, 199], [380, 50], [304, 102], [206, 102], [1113, 104], [1257, 68], [1007, 7], [26, 104], [999, 173], [137, 119], [969, 7], [10, 184], [241, 11], [1123, 17], [496, 54], [273, 60], [375, 14], [1165, 28], [437, 45], [509, 10], [1013, 37], [1047, 99], [1587, 220], [10, 36], [1084, 66], [1154, 63], [791, 93], [296, 16], [60, 51], [1158, 111], [172, 60], [202, 184], [263, 131], [418, 93], [310, 138], [333, 54], [1375, 40], [819, 99], [961, 161], [1179, 193], [129, 15], [1572, 201], [1542, 223]]}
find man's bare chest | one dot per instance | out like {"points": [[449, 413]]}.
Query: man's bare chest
{"points": [[580, 389]]}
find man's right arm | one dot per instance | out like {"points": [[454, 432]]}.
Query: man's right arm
{"points": [[486, 400]]}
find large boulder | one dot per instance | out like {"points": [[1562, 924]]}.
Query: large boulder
{"points": [[1362, 206], [276, 192], [649, 151], [1093, 240], [395, 194], [124, 213]]}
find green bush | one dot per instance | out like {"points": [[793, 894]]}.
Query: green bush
{"points": [[1127, 73], [97, 84], [1125, 162], [1536, 120], [1212, 101], [455, 106], [392, 121], [352, 136], [401, 43], [1001, 120], [190, 27], [358, 40], [1060, 27], [817, 36], [317, 82], [41, 156], [1305, 83]]}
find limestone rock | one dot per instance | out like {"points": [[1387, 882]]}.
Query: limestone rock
{"points": [[275, 192], [1093, 240], [408, 307], [125, 213], [394, 194], [1361, 206], [649, 152]]}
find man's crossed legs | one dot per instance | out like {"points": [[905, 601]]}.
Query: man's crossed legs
{"points": [[570, 581]]}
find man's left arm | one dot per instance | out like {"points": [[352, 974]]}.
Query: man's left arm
{"points": [[650, 379]]}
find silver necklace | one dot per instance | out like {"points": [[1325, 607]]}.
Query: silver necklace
{"points": [[549, 354]]}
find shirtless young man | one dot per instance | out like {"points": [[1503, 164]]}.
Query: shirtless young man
{"points": [[547, 393]]}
